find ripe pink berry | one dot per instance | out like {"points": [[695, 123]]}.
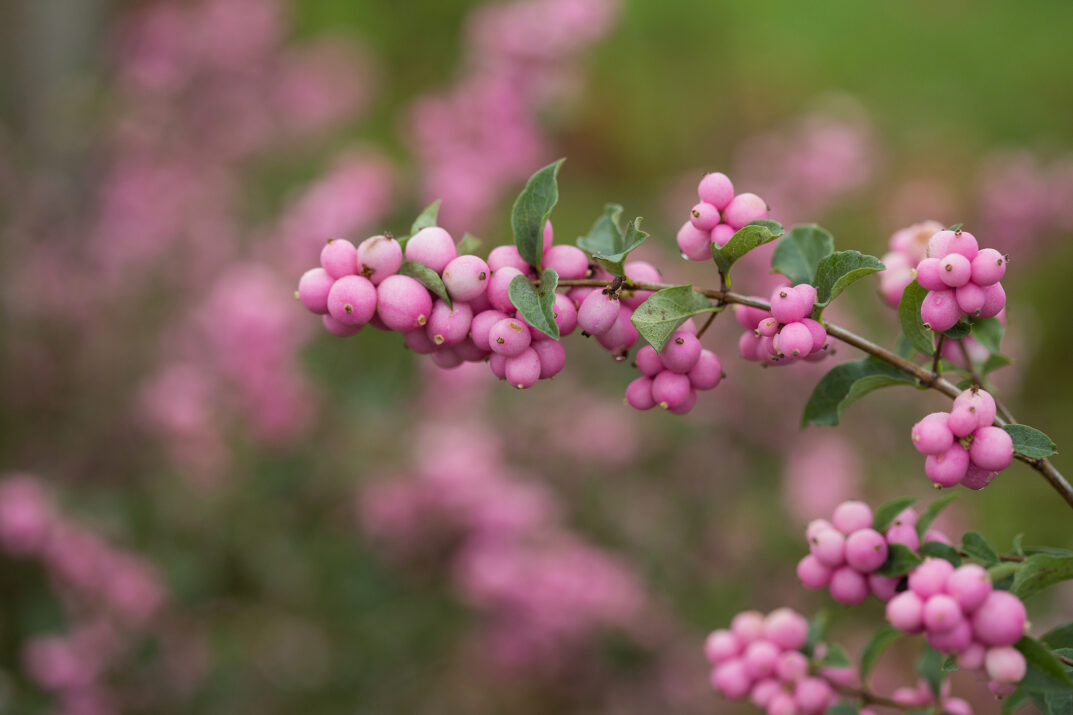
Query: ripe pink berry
{"points": [[906, 612], [969, 585], [994, 301], [972, 657], [402, 303], [639, 272], [848, 586], [955, 270], [681, 352], [339, 258], [704, 216], [338, 329], [794, 340], [932, 434], [379, 257], [991, 449], [498, 365], [749, 346], [788, 305], [565, 313], [506, 256], [819, 333], [639, 394], [716, 189], [999, 620], [523, 370], [988, 267], [671, 389], [829, 546], [598, 313], [971, 298], [447, 357], [962, 421], [767, 328], [763, 691], [707, 373], [782, 704], [731, 679], [622, 334], [549, 235], [965, 244], [905, 534], [748, 626], [743, 209], [882, 587], [929, 274], [940, 310], [929, 578], [313, 289], [466, 277], [786, 628], [980, 402], [470, 352], [449, 326], [941, 613], [721, 234], [812, 694], [939, 244], [499, 288], [949, 468], [509, 337], [760, 657], [1005, 664], [352, 300], [851, 516], [482, 324], [568, 261], [1001, 690], [815, 527], [552, 355], [808, 292], [748, 317], [977, 478], [866, 550], [696, 245], [721, 645], [952, 640], [791, 666], [813, 573], [432, 247], [419, 342]]}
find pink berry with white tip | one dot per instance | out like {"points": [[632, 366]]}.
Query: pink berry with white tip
{"points": [[433, 247], [671, 389], [523, 370], [955, 270], [1005, 664], [721, 646], [940, 310]]}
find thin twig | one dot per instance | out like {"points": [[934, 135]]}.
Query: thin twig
{"points": [[979, 380], [869, 698], [936, 362], [707, 324]]}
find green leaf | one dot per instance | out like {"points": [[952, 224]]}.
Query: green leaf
{"points": [[939, 550], [665, 310], [426, 277], [1039, 572], [913, 328], [531, 211], [835, 657], [747, 238], [817, 628], [1014, 702], [427, 217], [950, 665], [1018, 544], [988, 332], [976, 546], [888, 512], [800, 252], [1060, 637], [1003, 571], [1041, 659], [840, 270], [606, 242], [535, 304], [880, 641], [930, 668], [933, 510], [845, 384], [900, 561], [994, 362], [903, 348], [469, 244], [960, 330], [1030, 442]]}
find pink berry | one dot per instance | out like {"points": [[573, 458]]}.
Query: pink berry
{"points": [[813, 573], [962, 421], [748, 317], [731, 679], [808, 292], [681, 352], [707, 373], [716, 189], [402, 303], [499, 288], [965, 244], [569, 262], [994, 301], [991, 449], [791, 666], [866, 550], [949, 468], [971, 298], [481, 326], [639, 272], [815, 527], [977, 478], [786, 628], [639, 394], [819, 333], [972, 657], [432, 247], [622, 334], [749, 346], [1005, 664], [906, 612], [929, 274], [969, 585], [748, 626], [565, 313], [549, 235], [552, 355], [952, 640], [704, 216], [851, 516], [696, 245], [498, 365], [466, 277], [671, 389], [1001, 690], [812, 694], [506, 256], [929, 578], [721, 234], [447, 357], [829, 546], [721, 645], [788, 305], [794, 340], [782, 704], [313, 289], [767, 328], [648, 361], [882, 587], [760, 659], [848, 586], [339, 258], [905, 534], [955, 270], [523, 370], [379, 257], [598, 313], [468, 351], [743, 209], [932, 434], [341, 330], [940, 310], [846, 676], [352, 300], [999, 620], [988, 267], [509, 337], [419, 342], [449, 326], [941, 613], [980, 402], [763, 691]]}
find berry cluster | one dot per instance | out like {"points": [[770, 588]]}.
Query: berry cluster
{"points": [[606, 313], [959, 612], [786, 333], [672, 377], [845, 552], [962, 278], [717, 217], [761, 658], [962, 446], [922, 696]]}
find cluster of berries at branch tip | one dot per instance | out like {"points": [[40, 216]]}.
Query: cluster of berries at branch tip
{"points": [[717, 217], [785, 333], [846, 553], [672, 377], [761, 657], [960, 613], [962, 280], [963, 446]]}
